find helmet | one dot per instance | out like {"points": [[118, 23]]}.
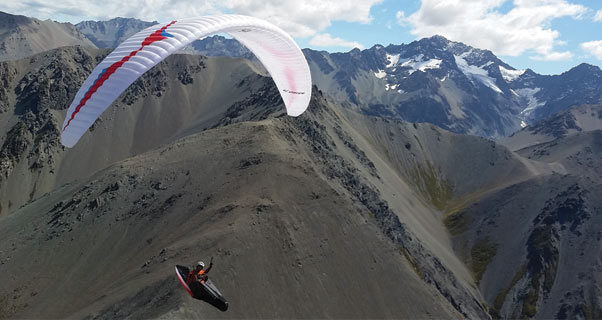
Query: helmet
{"points": [[201, 264]]}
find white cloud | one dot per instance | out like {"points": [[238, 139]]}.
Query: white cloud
{"points": [[598, 16], [305, 18], [299, 18], [76, 10], [553, 56], [400, 16], [593, 47], [482, 23], [326, 40]]}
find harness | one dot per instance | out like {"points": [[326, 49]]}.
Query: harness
{"points": [[194, 276]]}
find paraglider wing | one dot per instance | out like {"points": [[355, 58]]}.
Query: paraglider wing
{"points": [[182, 273], [276, 50]]}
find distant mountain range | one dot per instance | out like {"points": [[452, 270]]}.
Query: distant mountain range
{"points": [[109, 34], [449, 84], [452, 85], [22, 36]]}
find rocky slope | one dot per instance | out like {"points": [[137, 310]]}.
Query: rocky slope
{"points": [[22, 36], [534, 246], [252, 194], [39, 90], [279, 233]]}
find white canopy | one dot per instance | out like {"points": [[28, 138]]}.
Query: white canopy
{"points": [[276, 50]]}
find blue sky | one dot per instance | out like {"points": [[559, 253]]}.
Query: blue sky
{"points": [[572, 30], [548, 36]]}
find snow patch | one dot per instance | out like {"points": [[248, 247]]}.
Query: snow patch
{"points": [[528, 94], [523, 124], [390, 87], [393, 60], [487, 64], [476, 73], [511, 75], [380, 74], [419, 63]]}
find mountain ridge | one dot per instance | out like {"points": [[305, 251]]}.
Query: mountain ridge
{"points": [[21, 36], [559, 125], [460, 88], [110, 33]]}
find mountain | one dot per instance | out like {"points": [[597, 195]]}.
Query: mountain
{"points": [[197, 159], [22, 36], [535, 244], [279, 232], [109, 34], [452, 85], [258, 205], [216, 46], [547, 95], [564, 123], [342, 212], [38, 91], [435, 80]]}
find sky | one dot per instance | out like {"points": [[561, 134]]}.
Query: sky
{"points": [[548, 36]]}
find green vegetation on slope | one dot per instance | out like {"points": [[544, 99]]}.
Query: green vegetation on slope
{"points": [[481, 254], [457, 222], [431, 186], [543, 261]]}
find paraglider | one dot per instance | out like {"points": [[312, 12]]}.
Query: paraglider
{"points": [[276, 50], [198, 285]]}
